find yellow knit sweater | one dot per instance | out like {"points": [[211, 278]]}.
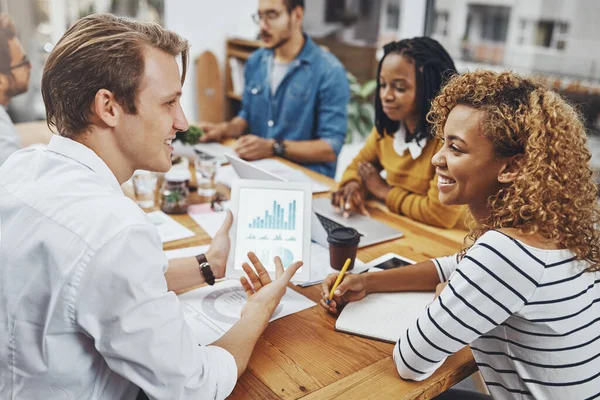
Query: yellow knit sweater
{"points": [[414, 182]]}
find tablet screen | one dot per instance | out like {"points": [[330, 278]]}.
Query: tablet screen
{"points": [[393, 262], [270, 224]]}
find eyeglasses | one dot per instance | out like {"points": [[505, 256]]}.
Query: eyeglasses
{"points": [[267, 16], [21, 64]]}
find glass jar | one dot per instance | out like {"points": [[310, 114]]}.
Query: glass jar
{"points": [[174, 194]]}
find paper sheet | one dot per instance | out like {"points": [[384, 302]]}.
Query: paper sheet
{"points": [[370, 316], [213, 310], [212, 221], [320, 266], [169, 229]]}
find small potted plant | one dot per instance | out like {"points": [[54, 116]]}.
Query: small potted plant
{"points": [[191, 137]]}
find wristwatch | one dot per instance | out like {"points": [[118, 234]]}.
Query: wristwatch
{"points": [[279, 148], [205, 269]]}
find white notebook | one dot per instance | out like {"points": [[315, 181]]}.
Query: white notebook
{"points": [[383, 316]]}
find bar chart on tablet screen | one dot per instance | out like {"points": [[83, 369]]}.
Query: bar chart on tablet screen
{"points": [[270, 225]]}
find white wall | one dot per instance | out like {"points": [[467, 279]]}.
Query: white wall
{"points": [[206, 24], [412, 18]]}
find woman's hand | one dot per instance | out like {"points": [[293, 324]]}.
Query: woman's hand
{"points": [[349, 198], [352, 288], [373, 181]]}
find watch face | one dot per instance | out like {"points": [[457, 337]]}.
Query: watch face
{"points": [[278, 148]]}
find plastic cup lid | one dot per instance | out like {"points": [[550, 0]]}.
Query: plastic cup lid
{"points": [[344, 236]]}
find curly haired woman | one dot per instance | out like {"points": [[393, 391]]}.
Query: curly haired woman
{"points": [[525, 292]]}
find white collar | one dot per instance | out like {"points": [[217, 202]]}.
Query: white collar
{"points": [[85, 156], [415, 148]]}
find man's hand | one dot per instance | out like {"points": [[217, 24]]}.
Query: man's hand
{"points": [[252, 147], [213, 132], [352, 288], [373, 181], [219, 248], [349, 198], [264, 295]]}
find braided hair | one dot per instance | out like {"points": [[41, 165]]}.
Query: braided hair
{"points": [[433, 66]]}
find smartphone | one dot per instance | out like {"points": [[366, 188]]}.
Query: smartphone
{"points": [[390, 261]]}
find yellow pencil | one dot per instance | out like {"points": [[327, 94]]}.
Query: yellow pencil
{"points": [[339, 279]]}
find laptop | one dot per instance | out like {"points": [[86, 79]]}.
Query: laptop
{"points": [[324, 218]]}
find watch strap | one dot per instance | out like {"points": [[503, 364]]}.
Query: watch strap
{"points": [[201, 258], [205, 269], [279, 148]]}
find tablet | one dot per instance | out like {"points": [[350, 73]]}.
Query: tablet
{"points": [[270, 218], [389, 261]]}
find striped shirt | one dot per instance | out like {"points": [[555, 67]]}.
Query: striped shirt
{"points": [[531, 317]]}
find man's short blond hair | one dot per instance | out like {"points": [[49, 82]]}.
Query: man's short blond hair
{"points": [[101, 51]]}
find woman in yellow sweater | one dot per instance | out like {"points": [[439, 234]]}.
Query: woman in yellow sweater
{"points": [[410, 75]]}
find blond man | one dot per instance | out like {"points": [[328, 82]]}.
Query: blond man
{"points": [[15, 70], [87, 306]]}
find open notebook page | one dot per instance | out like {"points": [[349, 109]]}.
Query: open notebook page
{"points": [[383, 316]]}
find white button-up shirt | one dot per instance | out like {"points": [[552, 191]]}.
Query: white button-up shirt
{"points": [[84, 307]]}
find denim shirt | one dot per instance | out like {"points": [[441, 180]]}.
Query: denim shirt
{"points": [[310, 102]]}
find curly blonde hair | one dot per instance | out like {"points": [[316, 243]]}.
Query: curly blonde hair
{"points": [[554, 194]]}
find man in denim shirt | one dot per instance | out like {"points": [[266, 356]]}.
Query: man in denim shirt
{"points": [[295, 96]]}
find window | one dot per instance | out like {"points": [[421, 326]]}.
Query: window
{"points": [[560, 38], [392, 15], [543, 33], [441, 23], [487, 23]]}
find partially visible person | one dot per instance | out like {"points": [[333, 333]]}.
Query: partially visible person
{"points": [[295, 95], [15, 70], [409, 76], [88, 307], [525, 292]]}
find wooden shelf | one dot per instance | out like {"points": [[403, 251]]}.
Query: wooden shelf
{"points": [[242, 55], [240, 49], [244, 42]]}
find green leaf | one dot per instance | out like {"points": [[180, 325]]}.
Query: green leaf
{"points": [[191, 136], [367, 110], [368, 88], [355, 90], [351, 77], [353, 110]]}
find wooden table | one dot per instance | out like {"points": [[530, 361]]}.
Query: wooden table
{"points": [[302, 356]]}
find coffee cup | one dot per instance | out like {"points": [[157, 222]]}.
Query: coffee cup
{"points": [[343, 243]]}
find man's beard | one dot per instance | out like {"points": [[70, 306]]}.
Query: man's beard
{"points": [[14, 88], [281, 41]]}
